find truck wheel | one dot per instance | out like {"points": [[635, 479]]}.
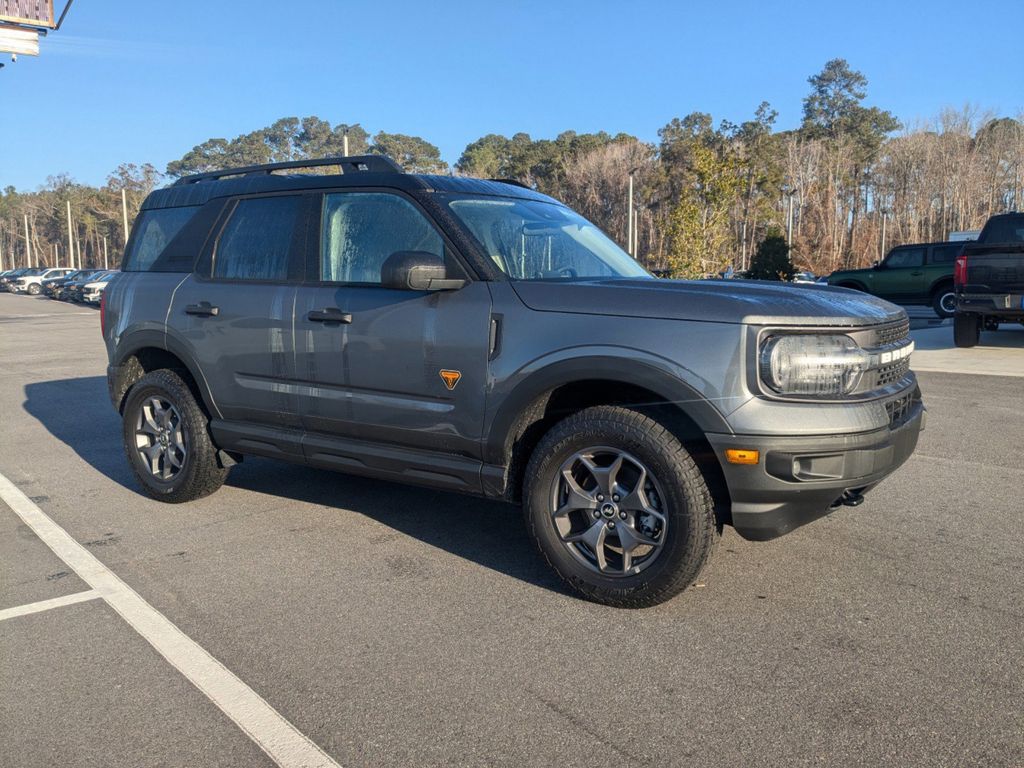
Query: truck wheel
{"points": [[966, 330], [167, 440], [618, 507], [944, 301]]}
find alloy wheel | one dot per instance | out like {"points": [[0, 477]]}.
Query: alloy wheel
{"points": [[607, 509], [160, 438]]}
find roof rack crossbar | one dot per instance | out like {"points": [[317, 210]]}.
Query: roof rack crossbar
{"points": [[351, 164]]}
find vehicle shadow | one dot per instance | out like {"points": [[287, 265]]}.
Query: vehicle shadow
{"points": [[492, 534], [79, 414]]}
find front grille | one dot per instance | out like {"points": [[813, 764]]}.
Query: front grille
{"points": [[892, 334], [890, 374], [899, 409]]}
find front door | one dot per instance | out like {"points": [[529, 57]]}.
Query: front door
{"points": [[399, 367], [901, 276]]}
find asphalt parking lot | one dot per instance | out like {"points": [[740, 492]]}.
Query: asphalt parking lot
{"points": [[392, 626]]}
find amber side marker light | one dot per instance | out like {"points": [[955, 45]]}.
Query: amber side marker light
{"points": [[739, 456]]}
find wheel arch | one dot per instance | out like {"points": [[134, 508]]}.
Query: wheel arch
{"points": [[561, 389], [150, 350]]}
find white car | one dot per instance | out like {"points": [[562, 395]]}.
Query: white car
{"points": [[92, 292], [32, 282]]}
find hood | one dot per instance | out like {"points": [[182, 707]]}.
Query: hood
{"points": [[716, 301]]}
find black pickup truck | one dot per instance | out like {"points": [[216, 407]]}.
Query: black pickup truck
{"points": [[989, 279]]}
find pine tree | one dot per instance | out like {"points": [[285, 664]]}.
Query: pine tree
{"points": [[771, 261]]}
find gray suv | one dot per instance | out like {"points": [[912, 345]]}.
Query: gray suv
{"points": [[476, 336]]}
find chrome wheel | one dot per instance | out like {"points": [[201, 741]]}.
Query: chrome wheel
{"points": [[160, 438], [607, 509], [947, 303]]}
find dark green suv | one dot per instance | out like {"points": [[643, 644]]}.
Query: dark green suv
{"points": [[910, 274]]}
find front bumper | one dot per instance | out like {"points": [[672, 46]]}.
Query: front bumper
{"points": [[800, 479]]}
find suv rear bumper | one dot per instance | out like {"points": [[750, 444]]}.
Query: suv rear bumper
{"points": [[994, 304], [800, 479]]}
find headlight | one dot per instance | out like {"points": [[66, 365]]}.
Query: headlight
{"points": [[812, 364]]}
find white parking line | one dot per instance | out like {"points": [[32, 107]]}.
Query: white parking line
{"points": [[45, 605], [285, 745]]}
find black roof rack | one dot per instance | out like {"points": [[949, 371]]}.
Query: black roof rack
{"points": [[513, 182], [353, 164]]}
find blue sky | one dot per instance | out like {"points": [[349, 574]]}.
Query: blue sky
{"points": [[146, 81]]}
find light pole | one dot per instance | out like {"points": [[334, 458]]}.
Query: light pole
{"points": [[629, 218], [885, 216]]}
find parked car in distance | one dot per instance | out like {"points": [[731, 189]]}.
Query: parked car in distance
{"points": [[989, 279], [92, 291], [481, 337], [74, 289], [56, 288], [10, 277], [32, 281], [804, 278], [920, 273]]}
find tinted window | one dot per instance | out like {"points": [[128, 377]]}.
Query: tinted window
{"points": [[361, 229], [945, 254], [257, 239], [905, 257], [1006, 229], [153, 230]]}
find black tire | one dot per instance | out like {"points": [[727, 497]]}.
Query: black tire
{"points": [[966, 330], [944, 301], [690, 531], [33, 290], [200, 474]]}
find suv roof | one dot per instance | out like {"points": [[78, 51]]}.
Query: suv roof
{"points": [[357, 171]]}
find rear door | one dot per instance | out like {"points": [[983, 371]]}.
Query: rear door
{"points": [[402, 367], [234, 313]]}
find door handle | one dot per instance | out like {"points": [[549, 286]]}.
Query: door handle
{"points": [[329, 315], [916, 274], [202, 309]]}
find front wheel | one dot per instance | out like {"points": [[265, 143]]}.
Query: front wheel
{"points": [[33, 290], [966, 330], [618, 507], [167, 440]]}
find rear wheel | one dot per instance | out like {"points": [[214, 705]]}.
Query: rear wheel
{"points": [[167, 440], [618, 507], [966, 330], [944, 301]]}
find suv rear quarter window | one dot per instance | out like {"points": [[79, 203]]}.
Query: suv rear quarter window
{"points": [[944, 254], [153, 230]]}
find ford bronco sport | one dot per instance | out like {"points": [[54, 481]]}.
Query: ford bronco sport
{"points": [[478, 336]]}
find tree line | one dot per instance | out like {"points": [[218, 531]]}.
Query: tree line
{"points": [[848, 183]]}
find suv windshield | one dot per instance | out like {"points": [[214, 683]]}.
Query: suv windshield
{"points": [[534, 240]]}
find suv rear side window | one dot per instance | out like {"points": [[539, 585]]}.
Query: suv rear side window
{"points": [[256, 242], [361, 229], [945, 254], [153, 230]]}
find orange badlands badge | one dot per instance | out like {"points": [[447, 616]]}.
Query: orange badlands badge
{"points": [[451, 378]]}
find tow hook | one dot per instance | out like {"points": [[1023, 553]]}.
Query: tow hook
{"points": [[849, 499]]}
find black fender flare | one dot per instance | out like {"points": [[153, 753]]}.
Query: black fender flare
{"points": [[636, 372], [132, 342]]}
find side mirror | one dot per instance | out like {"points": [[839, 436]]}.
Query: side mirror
{"points": [[877, 264], [417, 271]]}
